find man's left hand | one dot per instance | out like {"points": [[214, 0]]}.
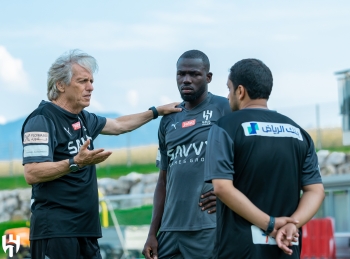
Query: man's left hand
{"points": [[168, 108], [208, 202]]}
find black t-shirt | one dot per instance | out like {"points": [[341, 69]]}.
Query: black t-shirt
{"points": [[67, 206], [269, 158], [182, 144]]}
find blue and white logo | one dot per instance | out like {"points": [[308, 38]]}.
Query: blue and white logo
{"points": [[267, 129], [253, 128]]}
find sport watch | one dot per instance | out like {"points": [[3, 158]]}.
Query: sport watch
{"points": [[72, 165]]}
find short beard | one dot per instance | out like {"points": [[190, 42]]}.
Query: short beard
{"points": [[193, 97]]}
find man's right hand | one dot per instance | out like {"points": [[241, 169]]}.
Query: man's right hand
{"points": [[150, 250], [90, 157], [281, 222], [285, 236]]}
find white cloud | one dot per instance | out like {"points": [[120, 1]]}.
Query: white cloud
{"points": [[2, 119], [285, 37], [186, 18], [12, 73], [97, 106], [133, 97], [142, 93], [105, 36], [308, 88], [165, 99]]}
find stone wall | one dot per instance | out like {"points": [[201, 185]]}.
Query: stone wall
{"points": [[333, 163], [15, 204]]}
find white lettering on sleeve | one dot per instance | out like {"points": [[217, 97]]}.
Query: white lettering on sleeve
{"points": [[35, 137]]}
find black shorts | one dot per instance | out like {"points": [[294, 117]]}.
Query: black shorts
{"points": [[65, 248], [186, 244]]}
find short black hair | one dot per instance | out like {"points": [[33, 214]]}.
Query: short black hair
{"points": [[196, 54], [254, 75]]}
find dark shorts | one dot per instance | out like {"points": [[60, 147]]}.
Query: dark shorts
{"points": [[65, 248], [186, 244]]}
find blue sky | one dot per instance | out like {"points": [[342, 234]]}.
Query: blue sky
{"points": [[137, 44]]}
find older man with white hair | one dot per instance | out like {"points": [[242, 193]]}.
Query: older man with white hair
{"points": [[59, 160]]}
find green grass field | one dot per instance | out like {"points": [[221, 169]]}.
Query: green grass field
{"points": [[13, 182], [115, 171], [134, 217], [112, 171]]}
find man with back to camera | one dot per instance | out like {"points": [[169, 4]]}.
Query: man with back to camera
{"points": [[258, 161], [59, 160], [186, 230]]}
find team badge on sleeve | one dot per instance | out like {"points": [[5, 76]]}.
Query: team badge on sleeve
{"points": [[36, 137]]}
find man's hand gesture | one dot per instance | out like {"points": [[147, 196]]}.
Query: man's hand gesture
{"points": [[90, 157]]}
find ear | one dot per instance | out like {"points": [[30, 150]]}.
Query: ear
{"points": [[209, 77], [241, 92], [60, 86]]}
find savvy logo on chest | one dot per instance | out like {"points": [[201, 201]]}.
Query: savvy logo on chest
{"points": [[75, 147]]}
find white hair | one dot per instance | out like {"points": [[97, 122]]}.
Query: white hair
{"points": [[61, 70]]}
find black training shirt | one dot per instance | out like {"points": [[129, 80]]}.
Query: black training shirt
{"points": [[67, 206], [269, 158]]}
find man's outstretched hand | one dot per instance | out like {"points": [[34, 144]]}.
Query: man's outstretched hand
{"points": [[168, 108]]}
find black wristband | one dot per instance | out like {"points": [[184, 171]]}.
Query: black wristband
{"points": [[271, 226], [155, 112], [71, 161]]}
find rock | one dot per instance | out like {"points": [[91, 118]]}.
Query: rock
{"points": [[24, 194], [18, 215], [133, 177], [328, 170], [137, 188], [150, 178], [109, 186], [130, 179], [335, 158], [10, 204], [322, 155], [149, 188], [344, 168], [25, 206], [5, 216]]}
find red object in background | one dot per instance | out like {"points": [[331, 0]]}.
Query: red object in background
{"points": [[318, 239]]}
